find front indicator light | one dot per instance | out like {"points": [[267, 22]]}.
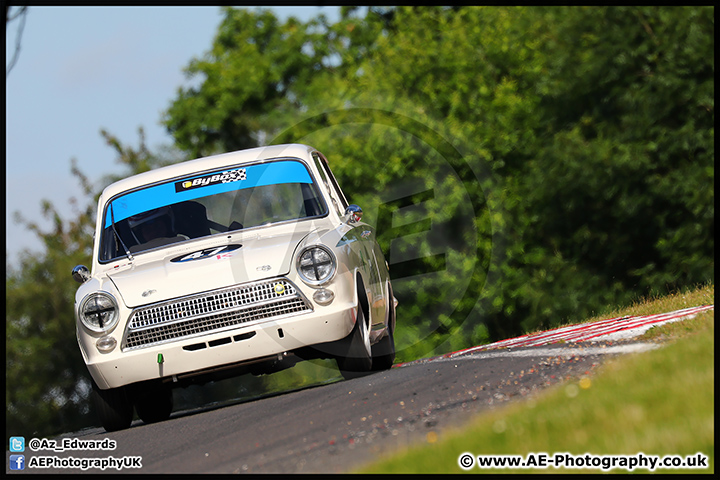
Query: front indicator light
{"points": [[323, 296], [106, 344]]}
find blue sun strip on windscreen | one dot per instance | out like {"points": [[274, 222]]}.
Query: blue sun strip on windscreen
{"points": [[192, 188]]}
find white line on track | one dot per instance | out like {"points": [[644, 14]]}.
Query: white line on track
{"points": [[554, 352]]}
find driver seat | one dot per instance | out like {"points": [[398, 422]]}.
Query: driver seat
{"points": [[191, 219]]}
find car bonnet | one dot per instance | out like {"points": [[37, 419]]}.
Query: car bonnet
{"points": [[187, 271]]}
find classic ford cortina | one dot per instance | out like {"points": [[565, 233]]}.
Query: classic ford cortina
{"points": [[245, 262]]}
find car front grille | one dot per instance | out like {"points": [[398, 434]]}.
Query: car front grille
{"points": [[213, 311]]}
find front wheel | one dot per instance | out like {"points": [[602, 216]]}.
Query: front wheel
{"points": [[356, 358], [113, 406], [383, 353], [155, 405]]}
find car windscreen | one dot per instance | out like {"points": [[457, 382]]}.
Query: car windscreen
{"points": [[206, 204]]}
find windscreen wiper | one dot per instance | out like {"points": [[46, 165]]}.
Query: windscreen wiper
{"points": [[117, 235]]}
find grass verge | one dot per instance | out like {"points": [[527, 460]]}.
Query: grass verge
{"points": [[656, 403]]}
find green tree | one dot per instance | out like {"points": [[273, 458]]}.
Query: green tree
{"points": [[589, 132], [48, 384], [623, 186], [255, 68], [45, 388]]}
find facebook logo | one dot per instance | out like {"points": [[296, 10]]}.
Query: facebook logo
{"points": [[17, 462]]}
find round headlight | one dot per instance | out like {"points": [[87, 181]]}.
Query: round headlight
{"points": [[316, 265], [99, 312]]}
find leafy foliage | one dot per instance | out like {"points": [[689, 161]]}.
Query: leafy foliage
{"points": [[47, 381], [42, 371], [588, 132]]}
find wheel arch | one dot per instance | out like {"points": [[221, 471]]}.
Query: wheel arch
{"points": [[362, 297], [391, 313]]}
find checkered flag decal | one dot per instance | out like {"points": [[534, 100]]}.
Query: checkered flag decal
{"points": [[234, 175]]}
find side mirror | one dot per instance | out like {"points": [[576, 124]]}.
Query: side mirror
{"points": [[81, 274], [353, 214]]}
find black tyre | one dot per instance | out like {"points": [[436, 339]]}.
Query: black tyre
{"points": [[383, 353], [113, 406], [155, 405], [356, 358]]}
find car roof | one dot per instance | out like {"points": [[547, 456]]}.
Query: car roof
{"points": [[212, 162]]}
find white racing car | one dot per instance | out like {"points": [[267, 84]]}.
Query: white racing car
{"points": [[245, 262]]}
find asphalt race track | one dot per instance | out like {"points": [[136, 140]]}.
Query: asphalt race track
{"points": [[339, 426]]}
